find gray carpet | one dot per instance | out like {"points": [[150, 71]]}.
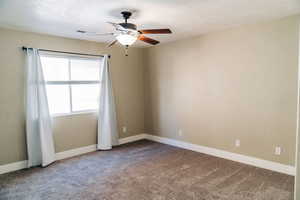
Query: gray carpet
{"points": [[146, 170]]}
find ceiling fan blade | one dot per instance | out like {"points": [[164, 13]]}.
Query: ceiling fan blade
{"points": [[93, 33], [104, 33], [113, 23], [117, 26], [148, 40], [156, 31], [112, 43], [81, 31]]}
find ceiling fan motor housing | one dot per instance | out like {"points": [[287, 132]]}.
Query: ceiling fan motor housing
{"points": [[128, 26]]}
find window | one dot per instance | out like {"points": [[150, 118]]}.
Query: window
{"points": [[72, 83]]}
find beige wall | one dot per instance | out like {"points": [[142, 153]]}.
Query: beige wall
{"points": [[235, 84], [70, 131], [297, 180]]}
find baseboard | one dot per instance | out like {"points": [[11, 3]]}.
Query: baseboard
{"points": [[66, 154], [132, 138], [75, 152], [274, 166], [13, 166]]}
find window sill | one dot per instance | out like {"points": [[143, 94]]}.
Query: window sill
{"points": [[95, 112]]}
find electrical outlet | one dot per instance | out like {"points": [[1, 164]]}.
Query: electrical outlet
{"points": [[124, 129], [180, 133], [237, 143], [277, 150]]}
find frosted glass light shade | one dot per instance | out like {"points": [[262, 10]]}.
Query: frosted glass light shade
{"points": [[126, 39]]}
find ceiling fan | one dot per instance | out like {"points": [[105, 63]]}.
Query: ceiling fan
{"points": [[127, 33]]}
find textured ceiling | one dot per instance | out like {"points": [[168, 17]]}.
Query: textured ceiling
{"points": [[185, 17]]}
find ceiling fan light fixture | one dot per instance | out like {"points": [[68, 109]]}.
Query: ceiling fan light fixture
{"points": [[126, 39], [127, 33]]}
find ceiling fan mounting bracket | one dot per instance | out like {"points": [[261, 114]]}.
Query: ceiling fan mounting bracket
{"points": [[126, 15]]}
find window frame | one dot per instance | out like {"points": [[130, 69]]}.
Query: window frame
{"points": [[72, 82]]}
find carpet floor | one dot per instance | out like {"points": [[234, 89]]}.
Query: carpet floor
{"points": [[146, 170]]}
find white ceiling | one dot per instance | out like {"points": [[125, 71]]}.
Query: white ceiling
{"points": [[185, 18]]}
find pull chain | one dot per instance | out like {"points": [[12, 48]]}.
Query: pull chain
{"points": [[126, 50]]}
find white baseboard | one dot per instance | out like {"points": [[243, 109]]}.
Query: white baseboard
{"points": [[13, 166], [66, 154], [274, 166], [132, 138], [93, 147], [75, 152]]}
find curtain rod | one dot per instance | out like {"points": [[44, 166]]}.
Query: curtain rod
{"points": [[82, 54]]}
